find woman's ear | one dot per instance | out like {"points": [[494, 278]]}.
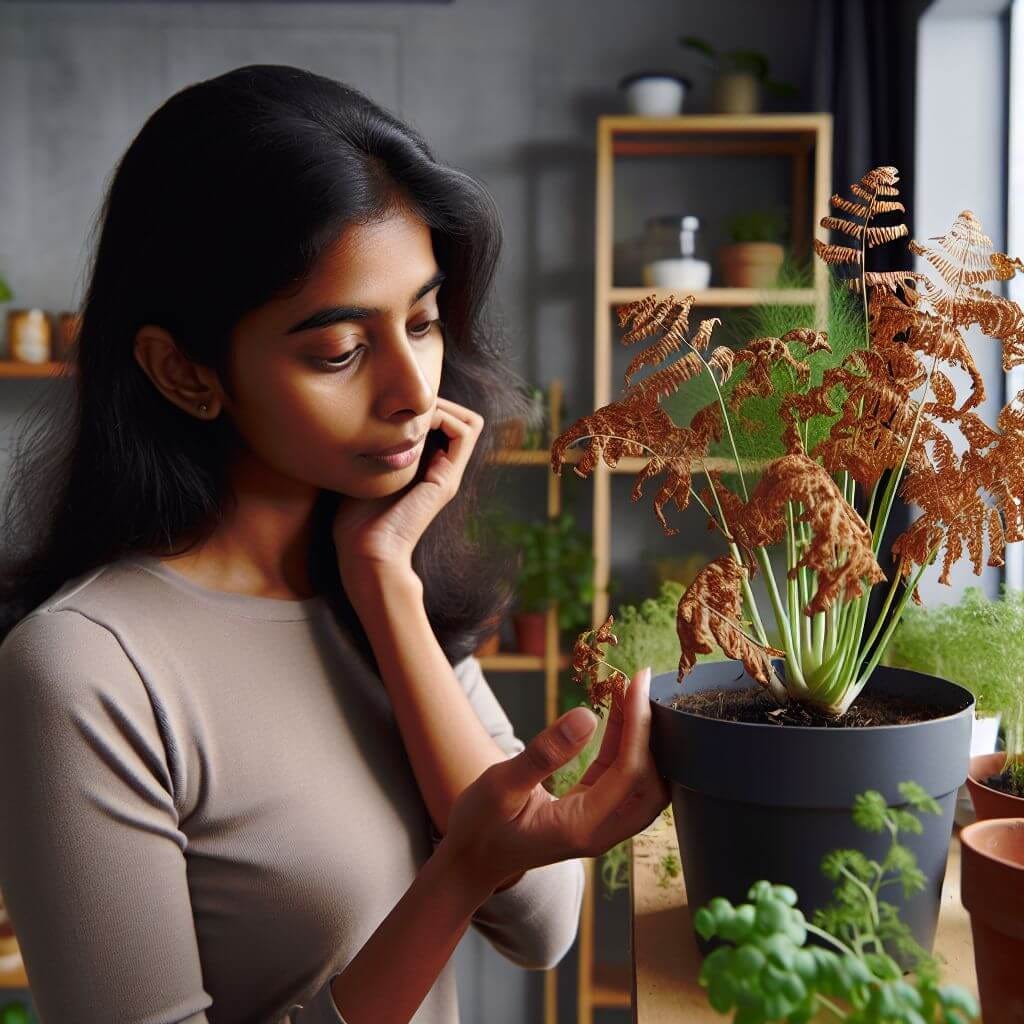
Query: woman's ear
{"points": [[192, 387]]}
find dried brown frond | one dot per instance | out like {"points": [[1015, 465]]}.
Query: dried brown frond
{"points": [[833, 254], [872, 197], [588, 659], [877, 413], [835, 526], [966, 498], [651, 314], [709, 613], [636, 424], [762, 355], [894, 280], [730, 519]]}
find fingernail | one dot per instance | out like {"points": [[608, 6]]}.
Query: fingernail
{"points": [[576, 724], [647, 679]]}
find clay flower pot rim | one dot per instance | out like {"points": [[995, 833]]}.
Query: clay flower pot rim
{"points": [[969, 833], [808, 728], [998, 765]]}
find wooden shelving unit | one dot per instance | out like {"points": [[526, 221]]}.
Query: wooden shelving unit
{"points": [[807, 140]]}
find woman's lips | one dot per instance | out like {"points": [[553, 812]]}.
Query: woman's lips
{"points": [[399, 461]]}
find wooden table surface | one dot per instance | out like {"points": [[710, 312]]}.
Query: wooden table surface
{"points": [[665, 958]]}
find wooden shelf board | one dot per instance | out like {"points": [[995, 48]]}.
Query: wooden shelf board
{"points": [[737, 124], [23, 371], [14, 979], [511, 661], [720, 296]]}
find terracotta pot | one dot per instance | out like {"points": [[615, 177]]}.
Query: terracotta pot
{"points": [[735, 92], [512, 433], [490, 645], [750, 264], [989, 802], [531, 631], [992, 890]]}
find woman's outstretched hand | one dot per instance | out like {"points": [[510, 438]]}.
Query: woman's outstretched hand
{"points": [[505, 822], [382, 532]]}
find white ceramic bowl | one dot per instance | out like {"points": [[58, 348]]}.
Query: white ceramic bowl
{"points": [[654, 94], [681, 272]]}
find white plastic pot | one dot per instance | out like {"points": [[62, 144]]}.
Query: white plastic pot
{"points": [[984, 734], [654, 93]]}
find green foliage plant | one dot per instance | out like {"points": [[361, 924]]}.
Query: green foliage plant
{"points": [[764, 970], [979, 643], [753, 62], [556, 566], [757, 226]]}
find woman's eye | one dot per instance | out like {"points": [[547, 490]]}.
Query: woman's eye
{"points": [[339, 362], [421, 330], [343, 361]]}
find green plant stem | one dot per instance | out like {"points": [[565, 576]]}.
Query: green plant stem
{"points": [[872, 663]]}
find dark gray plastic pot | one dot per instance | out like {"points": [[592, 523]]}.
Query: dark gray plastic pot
{"points": [[766, 801]]}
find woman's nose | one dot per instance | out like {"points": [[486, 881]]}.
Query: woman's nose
{"points": [[403, 381]]}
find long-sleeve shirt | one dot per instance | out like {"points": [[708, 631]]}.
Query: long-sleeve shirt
{"points": [[206, 808]]}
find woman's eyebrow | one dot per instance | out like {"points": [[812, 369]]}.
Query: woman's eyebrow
{"points": [[336, 314]]}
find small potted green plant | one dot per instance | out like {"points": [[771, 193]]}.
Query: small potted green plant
{"points": [[992, 891], [978, 643], [766, 968], [756, 254], [523, 431], [556, 568], [740, 76]]}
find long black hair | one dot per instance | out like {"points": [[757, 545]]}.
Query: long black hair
{"points": [[224, 200]]}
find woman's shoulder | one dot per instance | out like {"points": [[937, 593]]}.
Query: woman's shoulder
{"points": [[70, 629]]}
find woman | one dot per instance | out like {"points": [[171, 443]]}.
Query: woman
{"points": [[249, 768]]}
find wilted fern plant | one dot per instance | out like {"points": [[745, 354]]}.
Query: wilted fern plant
{"points": [[844, 432]]}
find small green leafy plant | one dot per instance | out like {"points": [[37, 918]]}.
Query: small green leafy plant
{"points": [[757, 226], [750, 61], [978, 643], [556, 566], [764, 971]]}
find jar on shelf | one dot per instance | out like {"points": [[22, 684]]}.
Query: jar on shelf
{"points": [[29, 336], [671, 253]]}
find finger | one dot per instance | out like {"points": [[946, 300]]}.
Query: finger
{"points": [[619, 779], [609, 742], [461, 441], [555, 746]]}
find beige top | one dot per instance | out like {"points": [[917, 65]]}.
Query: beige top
{"points": [[206, 808]]}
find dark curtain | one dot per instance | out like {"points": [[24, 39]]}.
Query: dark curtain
{"points": [[865, 74]]}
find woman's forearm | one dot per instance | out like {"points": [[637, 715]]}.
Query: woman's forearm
{"points": [[389, 977], [447, 743]]}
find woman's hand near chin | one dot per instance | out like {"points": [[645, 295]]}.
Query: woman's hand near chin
{"points": [[378, 535]]}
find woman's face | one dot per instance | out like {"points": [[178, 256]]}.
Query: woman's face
{"points": [[348, 365]]}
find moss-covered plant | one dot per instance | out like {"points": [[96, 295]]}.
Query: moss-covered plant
{"points": [[765, 971]]}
